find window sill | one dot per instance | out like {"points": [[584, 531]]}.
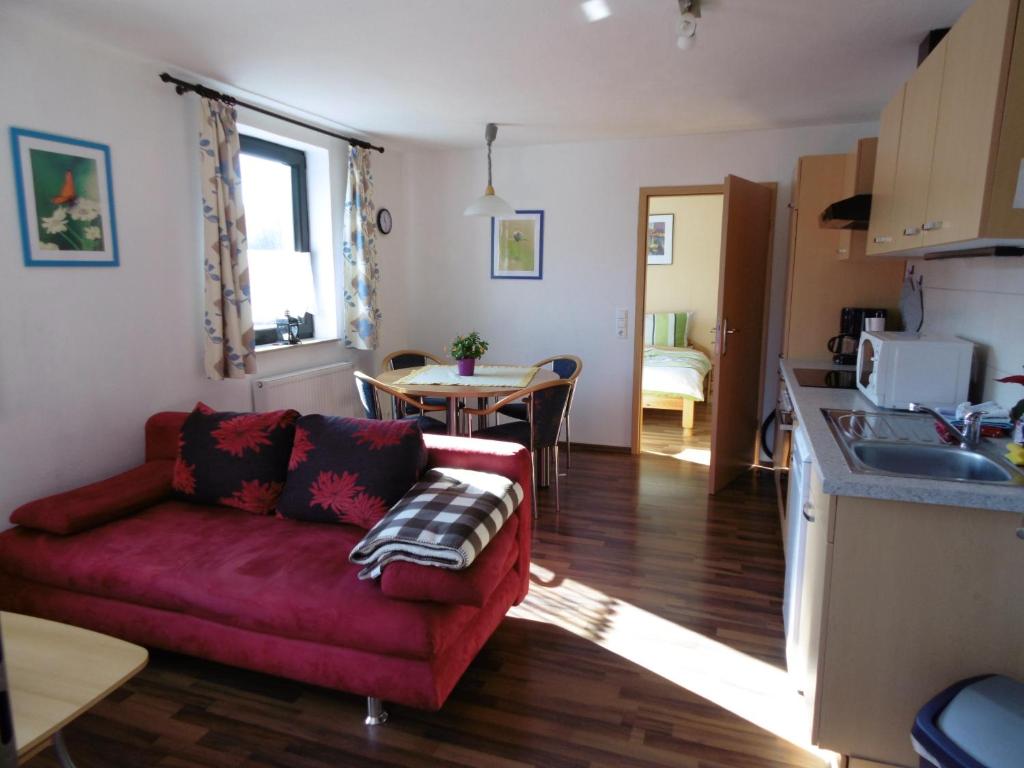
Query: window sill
{"points": [[265, 348]]}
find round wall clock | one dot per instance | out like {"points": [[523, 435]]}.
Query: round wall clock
{"points": [[384, 221]]}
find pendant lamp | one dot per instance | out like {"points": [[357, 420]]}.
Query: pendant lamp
{"points": [[489, 204]]}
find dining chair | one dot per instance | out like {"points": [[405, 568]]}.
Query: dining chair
{"points": [[567, 367], [368, 388], [412, 358], [545, 408]]}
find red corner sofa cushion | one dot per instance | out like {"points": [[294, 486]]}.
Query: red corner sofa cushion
{"points": [[98, 503], [471, 586], [234, 459], [350, 470], [259, 573]]}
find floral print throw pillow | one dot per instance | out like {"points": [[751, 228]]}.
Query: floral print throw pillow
{"points": [[350, 470], [234, 459]]}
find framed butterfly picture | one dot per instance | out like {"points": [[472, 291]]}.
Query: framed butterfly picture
{"points": [[65, 200]]}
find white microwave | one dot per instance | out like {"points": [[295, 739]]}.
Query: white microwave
{"points": [[896, 369]]}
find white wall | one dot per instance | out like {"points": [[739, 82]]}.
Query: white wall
{"points": [[87, 354], [589, 192], [980, 300]]}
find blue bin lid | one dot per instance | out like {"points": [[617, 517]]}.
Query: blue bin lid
{"points": [[976, 723]]}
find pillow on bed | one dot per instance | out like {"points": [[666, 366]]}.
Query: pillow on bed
{"points": [[667, 329]]}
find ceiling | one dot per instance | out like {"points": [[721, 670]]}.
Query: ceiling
{"points": [[435, 71]]}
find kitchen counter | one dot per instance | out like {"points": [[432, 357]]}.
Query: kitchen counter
{"points": [[839, 480]]}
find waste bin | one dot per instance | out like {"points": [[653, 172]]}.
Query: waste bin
{"points": [[976, 723]]}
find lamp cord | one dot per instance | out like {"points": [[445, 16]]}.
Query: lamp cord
{"points": [[489, 183]]}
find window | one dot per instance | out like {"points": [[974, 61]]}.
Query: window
{"points": [[274, 192]]}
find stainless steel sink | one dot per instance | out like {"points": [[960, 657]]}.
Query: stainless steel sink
{"points": [[906, 445], [929, 461]]}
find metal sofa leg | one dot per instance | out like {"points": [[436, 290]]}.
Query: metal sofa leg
{"points": [[375, 712]]}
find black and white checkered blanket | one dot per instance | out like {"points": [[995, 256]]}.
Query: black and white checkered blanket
{"points": [[445, 520]]}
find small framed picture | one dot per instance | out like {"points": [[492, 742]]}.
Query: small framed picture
{"points": [[517, 246], [659, 238], [65, 200]]}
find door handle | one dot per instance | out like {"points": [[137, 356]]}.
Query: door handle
{"points": [[931, 226], [726, 331], [882, 239], [807, 515], [911, 231]]}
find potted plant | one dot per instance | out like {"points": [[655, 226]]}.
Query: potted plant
{"points": [[466, 349]]}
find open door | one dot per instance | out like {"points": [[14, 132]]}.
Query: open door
{"points": [[739, 334]]}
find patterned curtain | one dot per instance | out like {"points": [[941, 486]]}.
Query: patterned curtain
{"points": [[361, 271], [227, 320]]}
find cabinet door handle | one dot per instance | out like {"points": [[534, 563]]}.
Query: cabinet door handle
{"points": [[883, 239], [911, 231], [931, 226], [807, 515]]}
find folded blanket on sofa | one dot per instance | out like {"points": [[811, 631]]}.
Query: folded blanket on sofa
{"points": [[445, 520]]}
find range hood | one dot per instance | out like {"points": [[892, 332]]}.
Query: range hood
{"points": [[848, 213]]}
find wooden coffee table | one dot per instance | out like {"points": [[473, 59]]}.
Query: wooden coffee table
{"points": [[55, 672]]}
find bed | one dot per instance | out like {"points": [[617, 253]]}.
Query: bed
{"points": [[673, 373]]}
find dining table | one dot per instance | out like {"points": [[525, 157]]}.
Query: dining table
{"points": [[487, 381]]}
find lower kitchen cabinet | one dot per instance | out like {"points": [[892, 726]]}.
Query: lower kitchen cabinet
{"points": [[904, 599]]}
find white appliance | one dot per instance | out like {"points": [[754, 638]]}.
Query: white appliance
{"points": [[796, 544], [896, 369]]}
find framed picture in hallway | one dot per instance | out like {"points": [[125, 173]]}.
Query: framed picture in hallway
{"points": [[517, 246], [65, 200], [659, 238]]}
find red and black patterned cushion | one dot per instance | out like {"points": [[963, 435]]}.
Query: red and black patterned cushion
{"points": [[234, 459], [350, 470]]}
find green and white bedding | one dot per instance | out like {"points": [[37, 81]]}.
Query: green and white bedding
{"points": [[675, 371]]}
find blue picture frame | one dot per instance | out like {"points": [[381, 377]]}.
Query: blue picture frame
{"points": [[513, 258], [80, 230]]}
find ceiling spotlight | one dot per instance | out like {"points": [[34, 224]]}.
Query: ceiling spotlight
{"points": [[686, 26], [595, 10]]}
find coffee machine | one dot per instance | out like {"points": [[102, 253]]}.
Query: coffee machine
{"points": [[851, 322]]}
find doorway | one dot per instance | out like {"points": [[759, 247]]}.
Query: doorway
{"points": [[734, 384], [680, 310]]}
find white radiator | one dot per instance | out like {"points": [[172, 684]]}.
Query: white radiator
{"points": [[329, 389]]}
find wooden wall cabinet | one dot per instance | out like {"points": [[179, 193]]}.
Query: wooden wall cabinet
{"points": [[821, 279], [858, 174], [949, 160], [881, 237], [917, 144], [906, 600]]}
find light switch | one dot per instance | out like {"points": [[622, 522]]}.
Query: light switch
{"points": [[621, 322]]}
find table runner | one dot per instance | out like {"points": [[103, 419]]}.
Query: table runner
{"points": [[511, 376]]}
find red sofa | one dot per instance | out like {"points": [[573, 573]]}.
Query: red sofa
{"points": [[260, 592]]}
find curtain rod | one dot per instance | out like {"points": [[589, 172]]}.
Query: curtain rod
{"points": [[181, 87]]}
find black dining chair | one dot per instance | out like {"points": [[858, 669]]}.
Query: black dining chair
{"points": [[567, 367], [368, 388], [412, 358], [545, 408]]}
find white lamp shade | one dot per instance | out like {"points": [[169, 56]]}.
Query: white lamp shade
{"points": [[489, 205]]}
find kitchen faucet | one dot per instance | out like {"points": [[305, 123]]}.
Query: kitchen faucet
{"points": [[969, 438]]}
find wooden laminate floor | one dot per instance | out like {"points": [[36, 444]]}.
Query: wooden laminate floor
{"points": [[652, 637], [662, 433]]}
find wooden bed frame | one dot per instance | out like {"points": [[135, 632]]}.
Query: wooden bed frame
{"points": [[677, 402], [671, 403]]}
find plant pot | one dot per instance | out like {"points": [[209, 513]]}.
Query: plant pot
{"points": [[466, 365]]}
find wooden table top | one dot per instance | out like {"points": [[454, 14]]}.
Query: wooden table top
{"points": [[55, 672], [456, 390]]}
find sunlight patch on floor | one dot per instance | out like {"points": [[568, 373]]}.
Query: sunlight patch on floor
{"points": [[747, 687], [700, 456]]}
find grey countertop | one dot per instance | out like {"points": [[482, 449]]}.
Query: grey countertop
{"points": [[839, 480]]}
